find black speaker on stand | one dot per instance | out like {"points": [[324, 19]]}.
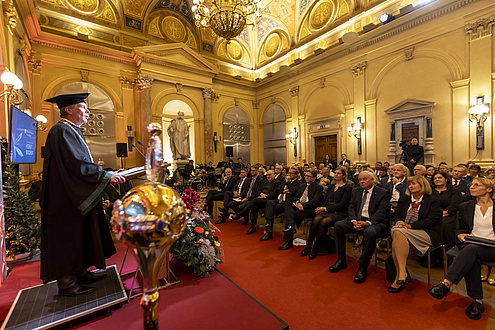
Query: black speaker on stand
{"points": [[122, 152], [229, 152]]}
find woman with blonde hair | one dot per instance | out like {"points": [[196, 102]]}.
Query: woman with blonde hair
{"points": [[475, 218], [418, 221]]}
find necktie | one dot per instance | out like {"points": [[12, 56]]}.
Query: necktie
{"points": [[239, 188], [456, 183], [251, 186], [363, 202], [304, 197]]}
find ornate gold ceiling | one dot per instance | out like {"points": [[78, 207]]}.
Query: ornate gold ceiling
{"points": [[288, 30]]}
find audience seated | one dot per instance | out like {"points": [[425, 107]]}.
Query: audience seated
{"points": [[368, 213], [476, 218], [473, 170], [449, 200], [430, 171], [334, 208], [252, 183], [307, 198], [267, 190], [397, 187], [388, 178], [218, 195], [286, 192], [279, 176], [239, 192], [460, 183], [418, 221]]}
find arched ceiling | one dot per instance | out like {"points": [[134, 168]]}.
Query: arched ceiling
{"points": [[287, 29]]}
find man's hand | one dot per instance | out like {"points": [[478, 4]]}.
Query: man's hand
{"points": [[262, 195], [462, 237], [300, 207], [106, 203], [320, 209], [445, 213], [117, 178], [236, 194]]}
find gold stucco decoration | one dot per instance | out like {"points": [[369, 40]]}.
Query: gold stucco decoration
{"points": [[107, 14], [174, 29], [321, 15], [85, 6], [234, 50], [343, 9], [191, 41], [54, 2], [154, 28], [272, 45], [304, 30], [285, 43]]}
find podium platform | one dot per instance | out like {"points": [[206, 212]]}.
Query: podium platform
{"points": [[40, 307]]}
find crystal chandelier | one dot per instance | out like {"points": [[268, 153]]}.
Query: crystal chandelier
{"points": [[227, 18]]}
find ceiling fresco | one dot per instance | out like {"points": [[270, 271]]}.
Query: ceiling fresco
{"points": [[286, 25]]}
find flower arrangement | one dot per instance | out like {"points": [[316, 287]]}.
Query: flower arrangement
{"points": [[199, 246]]}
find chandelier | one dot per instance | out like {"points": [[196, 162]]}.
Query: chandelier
{"points": [[227, 18]]}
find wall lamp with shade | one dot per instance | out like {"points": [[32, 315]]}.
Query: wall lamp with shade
{"points": [[292, 138], [478, 114], [355, 130], [13, 83]]}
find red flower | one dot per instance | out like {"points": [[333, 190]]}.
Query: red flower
{"points": [[199, 230], [201, 241], [206, 234]]}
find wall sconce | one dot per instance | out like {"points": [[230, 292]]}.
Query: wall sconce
{"points": [[478, 113], [216, 139], [355, 130], [292, 138], [13, 83], [41, 123]]}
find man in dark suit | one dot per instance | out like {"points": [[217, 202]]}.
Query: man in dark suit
{"points": [[307, 198], [286, 192], [278, 173], [238, 193], [344, 160], [460, 183], [218, 195], [267, 190], [189, 170], [368, 214], [397, 187], [252, 184]]}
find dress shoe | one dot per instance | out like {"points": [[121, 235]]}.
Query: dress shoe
{"points": [[91, 277], [439, 291], [76, 289], [312, 254], [306, 250], [286, 246], [231, 217], [391, 289], [474, 310], [220, 221], [491, 278], [406, 281], [360, 276], [250, 231], [268, 235], [268, 228], [290, 229], [338, 266]]}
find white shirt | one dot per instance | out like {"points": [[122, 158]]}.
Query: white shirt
{"points": [[395, 192], [482, 224]]}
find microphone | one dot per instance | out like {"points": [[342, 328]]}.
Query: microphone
{"points": [[138, 150], [142, 145]]}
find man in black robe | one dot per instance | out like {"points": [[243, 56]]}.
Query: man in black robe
{"points": [[74, 233]]}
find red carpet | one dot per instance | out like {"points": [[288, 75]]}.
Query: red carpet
{"points": [[306, 295], [212, 302]]}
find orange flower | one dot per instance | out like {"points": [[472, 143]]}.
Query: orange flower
{"points": [[199, 230]]}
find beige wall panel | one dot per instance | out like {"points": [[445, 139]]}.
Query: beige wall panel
{"points": [[421, 79], [323, 103]]}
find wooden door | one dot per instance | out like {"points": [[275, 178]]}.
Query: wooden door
{"points": [[325, 145]]}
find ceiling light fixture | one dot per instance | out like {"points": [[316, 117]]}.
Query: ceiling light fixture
{"points": [[227, 18]]}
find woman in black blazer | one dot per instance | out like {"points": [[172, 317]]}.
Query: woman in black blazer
{"points": [[476, 218], [418, 221], [334, 209]]}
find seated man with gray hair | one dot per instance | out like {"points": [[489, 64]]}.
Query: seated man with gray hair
{"points": [[368, 214]]}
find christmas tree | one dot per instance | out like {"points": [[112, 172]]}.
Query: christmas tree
{"points": [[22, 226]]}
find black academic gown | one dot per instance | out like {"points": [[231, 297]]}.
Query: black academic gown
{"points": [[74, 233]]}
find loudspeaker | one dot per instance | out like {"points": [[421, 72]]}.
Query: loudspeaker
{"points": [[121, 149], [229, 151], [42, 152]]}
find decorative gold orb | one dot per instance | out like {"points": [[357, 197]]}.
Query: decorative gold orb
{"points": [[150, 215]]}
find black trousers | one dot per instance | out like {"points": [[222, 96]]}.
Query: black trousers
{"points": [[252, 207], [213, 195], [294, 217], [468, 265], [370, 234], [273, 207]]}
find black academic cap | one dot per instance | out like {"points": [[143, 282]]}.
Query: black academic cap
{"points": [[65, 100]]}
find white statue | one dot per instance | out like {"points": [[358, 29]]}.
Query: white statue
{"points": [[179, 137]]}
